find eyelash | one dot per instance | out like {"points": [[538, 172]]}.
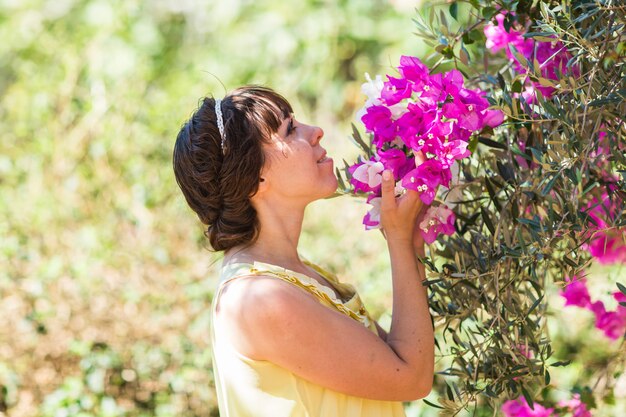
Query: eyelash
{"points": [[290, 128]]}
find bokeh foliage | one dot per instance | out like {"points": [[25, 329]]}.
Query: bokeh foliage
{"points": [[105, 281]]}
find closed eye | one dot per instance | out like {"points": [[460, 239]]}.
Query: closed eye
{"points": [[290, 127]]}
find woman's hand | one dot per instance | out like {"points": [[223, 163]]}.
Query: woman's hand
{"points": [[398, 215], [418, 240]]}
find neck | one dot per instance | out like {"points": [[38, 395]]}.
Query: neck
{"points": [[279, 233]]}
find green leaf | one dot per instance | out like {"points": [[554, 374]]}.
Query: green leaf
{"points": [[454, 8], [561, 363], [536, 153], [489, 12], [518, 152], [492, 194], [473, 143], [534, 306], [518, 56], [492, 143], [449, 392], [487, 221], [340, 182], [528, 397], [506, 171], [432, 404], [621, 287], [442, 18], [550, 184], [356, 136]]}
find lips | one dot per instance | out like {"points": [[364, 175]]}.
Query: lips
{"points": [[323, 158]]}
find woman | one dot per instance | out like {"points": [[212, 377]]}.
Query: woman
{"points": [[288, 338]]}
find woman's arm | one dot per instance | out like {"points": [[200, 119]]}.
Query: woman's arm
{"points": [[382, 333], [275, 321]]}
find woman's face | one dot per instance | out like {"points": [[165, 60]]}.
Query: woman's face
{"points": [[296, 165]]}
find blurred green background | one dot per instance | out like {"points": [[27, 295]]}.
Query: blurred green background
{"points": [[105, 279]]}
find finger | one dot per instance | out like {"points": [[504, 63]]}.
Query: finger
{"points": [[419, 158], [409, 195], [388, 195]]}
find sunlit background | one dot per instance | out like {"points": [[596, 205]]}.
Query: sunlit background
{"points": [[105, 279]]}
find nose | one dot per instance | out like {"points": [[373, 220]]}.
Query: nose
{"points": [[317, 134]]}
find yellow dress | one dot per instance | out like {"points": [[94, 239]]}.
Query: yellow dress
{"points": [[251, 388]]}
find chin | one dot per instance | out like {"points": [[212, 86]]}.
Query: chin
{"points": [[333, 189]]}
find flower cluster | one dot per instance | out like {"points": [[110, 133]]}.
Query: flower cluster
{"points": [[420, 125], [612, 323], [606, 243], [520, 408], [552, 57]]}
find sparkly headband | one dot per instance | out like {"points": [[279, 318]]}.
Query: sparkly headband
{"points": [[220, 120]]}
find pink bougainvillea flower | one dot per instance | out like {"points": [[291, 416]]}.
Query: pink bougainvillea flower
{"points": [[440, 86], [437, 220], [412, 124], [413, 69], [493, 118], [396, 89], [439, 129], [620, 298], [372, 218], [612, 323], [552, 56], [606, 243], [377, 119], [467, 109], [448, 151], [368, 175], [426, 178], [576, 292], [432, 91], [497, 36], [393, 159], [575, 406], [520, 408], [607, 249], [467, 115], [426, 189]]}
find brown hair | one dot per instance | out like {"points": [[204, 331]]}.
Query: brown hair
{"points": [[218, 184]]}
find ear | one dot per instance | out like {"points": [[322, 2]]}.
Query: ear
{"points": [[263, 185]]}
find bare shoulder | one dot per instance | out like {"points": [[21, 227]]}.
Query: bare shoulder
{"points": [[255, 307], [259, 294]]}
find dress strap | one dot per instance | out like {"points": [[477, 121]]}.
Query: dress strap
{"points": [[312, 286]]}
